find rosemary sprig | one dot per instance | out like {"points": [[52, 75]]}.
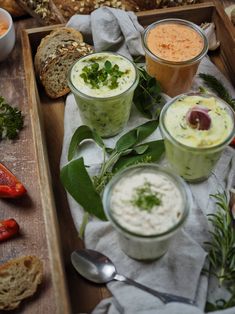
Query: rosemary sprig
{"points": [[222, 245], [218, 88], [222, 250]]}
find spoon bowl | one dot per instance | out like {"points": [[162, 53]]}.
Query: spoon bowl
{"points": [[100, 271], [98, 268]]}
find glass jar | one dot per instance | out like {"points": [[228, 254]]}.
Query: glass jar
{"points": [[195, 163], [137, 238], [106, 112], [175, 77]]}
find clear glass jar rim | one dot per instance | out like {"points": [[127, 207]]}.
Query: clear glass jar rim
{"points": [[74, 89], [196, 149], [182, 186], [182, 22]]}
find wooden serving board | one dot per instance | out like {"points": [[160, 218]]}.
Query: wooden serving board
{"points": [[47, 127], [31, 211]]}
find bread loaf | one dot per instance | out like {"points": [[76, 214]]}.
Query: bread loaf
{"points": [[71, 7], [55, 54], [12, 7], [19, 279], [158, 4], [59, 11], [44, 11]]}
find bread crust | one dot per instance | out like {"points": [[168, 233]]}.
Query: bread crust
{"points": [[45, 12], [71, 7], [19, 279]]}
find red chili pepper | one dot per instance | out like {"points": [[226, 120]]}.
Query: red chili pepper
{"points": [[10, 186], [8, 228]]}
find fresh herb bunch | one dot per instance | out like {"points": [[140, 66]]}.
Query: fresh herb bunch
{"points": [[222, 250], [147, 96], [11, 120], [218, 88], [127, 151], [107, 75]]}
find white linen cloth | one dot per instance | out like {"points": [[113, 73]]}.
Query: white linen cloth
{"points": [[179, 271]]}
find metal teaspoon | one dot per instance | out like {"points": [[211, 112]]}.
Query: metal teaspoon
{"points": [[98, 268]]}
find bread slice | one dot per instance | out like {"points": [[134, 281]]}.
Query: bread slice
{"points": [[55, 55], [52, 42], [19, 279]]}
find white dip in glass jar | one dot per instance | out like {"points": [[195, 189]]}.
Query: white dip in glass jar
{"points": [[147, 205]]}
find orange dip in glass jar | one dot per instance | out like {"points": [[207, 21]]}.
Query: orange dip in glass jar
{"points": [[3, 28], [173, 50]]}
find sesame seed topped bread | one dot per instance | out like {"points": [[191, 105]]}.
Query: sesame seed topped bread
{"points": [[55, 54], [19, 279]]}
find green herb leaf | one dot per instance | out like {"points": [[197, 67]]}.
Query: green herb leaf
{"points": [[147, 96], [136, 135], [153, 153], [144, 198], [82, 133], [141, 149], [77, 182], [11, 120], [107, 75], [218, 88], [108, 65]]}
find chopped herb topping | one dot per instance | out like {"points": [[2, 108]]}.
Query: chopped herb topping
{"points": [[96, 76], [145, 198]]}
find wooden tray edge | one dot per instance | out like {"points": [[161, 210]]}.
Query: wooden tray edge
{"points": [[49, 210], [174, 9]]}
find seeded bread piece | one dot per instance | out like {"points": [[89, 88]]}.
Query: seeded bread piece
{"points": [[52, 42], [19, 279], [71, 7], [55, 54]]}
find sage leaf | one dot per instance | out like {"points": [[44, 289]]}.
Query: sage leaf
{"points": [[136, 135], [141, 149], [153, 153], [82, 133], [77, 182]]}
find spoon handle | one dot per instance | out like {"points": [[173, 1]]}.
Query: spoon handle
{"points": [[164, 297]]}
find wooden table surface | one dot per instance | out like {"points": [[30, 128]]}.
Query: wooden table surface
{"points": [[32, 240]]}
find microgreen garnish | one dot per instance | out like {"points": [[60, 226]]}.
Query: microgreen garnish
{"points": [[145, 198], [98, 76]]}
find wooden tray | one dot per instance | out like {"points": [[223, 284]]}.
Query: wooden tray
{"points": [[47, 122], [38, 223]]}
